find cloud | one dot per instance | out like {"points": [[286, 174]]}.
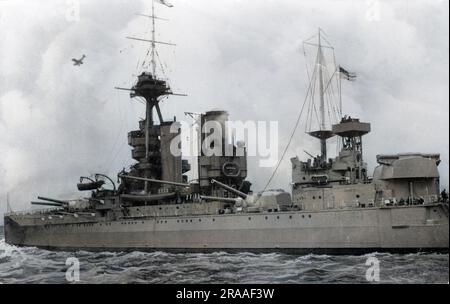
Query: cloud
{"points": [[53, 116], [58, 121]]}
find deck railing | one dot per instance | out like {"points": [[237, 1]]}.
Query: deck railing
{"points": [[34, 211]]}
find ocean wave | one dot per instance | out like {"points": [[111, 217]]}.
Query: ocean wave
{"points": [[33, 265]]}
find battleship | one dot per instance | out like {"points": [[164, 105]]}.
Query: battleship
{"points": [[334, 205]]}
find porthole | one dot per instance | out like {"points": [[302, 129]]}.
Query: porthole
{"points": [[309, 216], [303, 216], [249, 218], [290, 216], [320, 197], [214, 220], [266, 217], [357, 195], [278, 217], [313, 197]]}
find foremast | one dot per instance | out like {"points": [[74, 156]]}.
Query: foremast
{"points": [[146, 142]]}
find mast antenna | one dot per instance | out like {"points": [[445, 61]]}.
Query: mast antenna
{"points": [[153, 40]]}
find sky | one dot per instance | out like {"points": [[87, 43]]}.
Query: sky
{"points": [[59, 122]]}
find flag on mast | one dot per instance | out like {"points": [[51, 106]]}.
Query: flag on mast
{"points": [[346, 74], [164, 2]]}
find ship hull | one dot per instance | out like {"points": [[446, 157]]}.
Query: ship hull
{"points": [[356, 231]]}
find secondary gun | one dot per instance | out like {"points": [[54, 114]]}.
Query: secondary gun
{"points": [[309, 154], [265, 200], [231, 189], [47, 204], [56, 201], [220, 199]]}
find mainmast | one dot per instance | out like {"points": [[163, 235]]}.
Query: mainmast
{"points": [[325, 109], [319, 75]]}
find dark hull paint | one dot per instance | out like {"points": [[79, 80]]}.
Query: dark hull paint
{"points": [[302, 251]]}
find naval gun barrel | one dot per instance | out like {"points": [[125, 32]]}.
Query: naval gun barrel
{"points": [[231, 189], [47, 204], [220, 199], [158, 181], [309, 154], [53, 200]]}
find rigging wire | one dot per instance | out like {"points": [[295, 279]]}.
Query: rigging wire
{"points": [[317, 115], [333, 110], [312, 104], [328, 111], [332, 94], [308, 115], [330, 98], [114, 148], [161, 65], [290, 139]]}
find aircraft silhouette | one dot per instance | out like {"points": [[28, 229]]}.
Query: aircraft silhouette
{"points": [[78, 62]]}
